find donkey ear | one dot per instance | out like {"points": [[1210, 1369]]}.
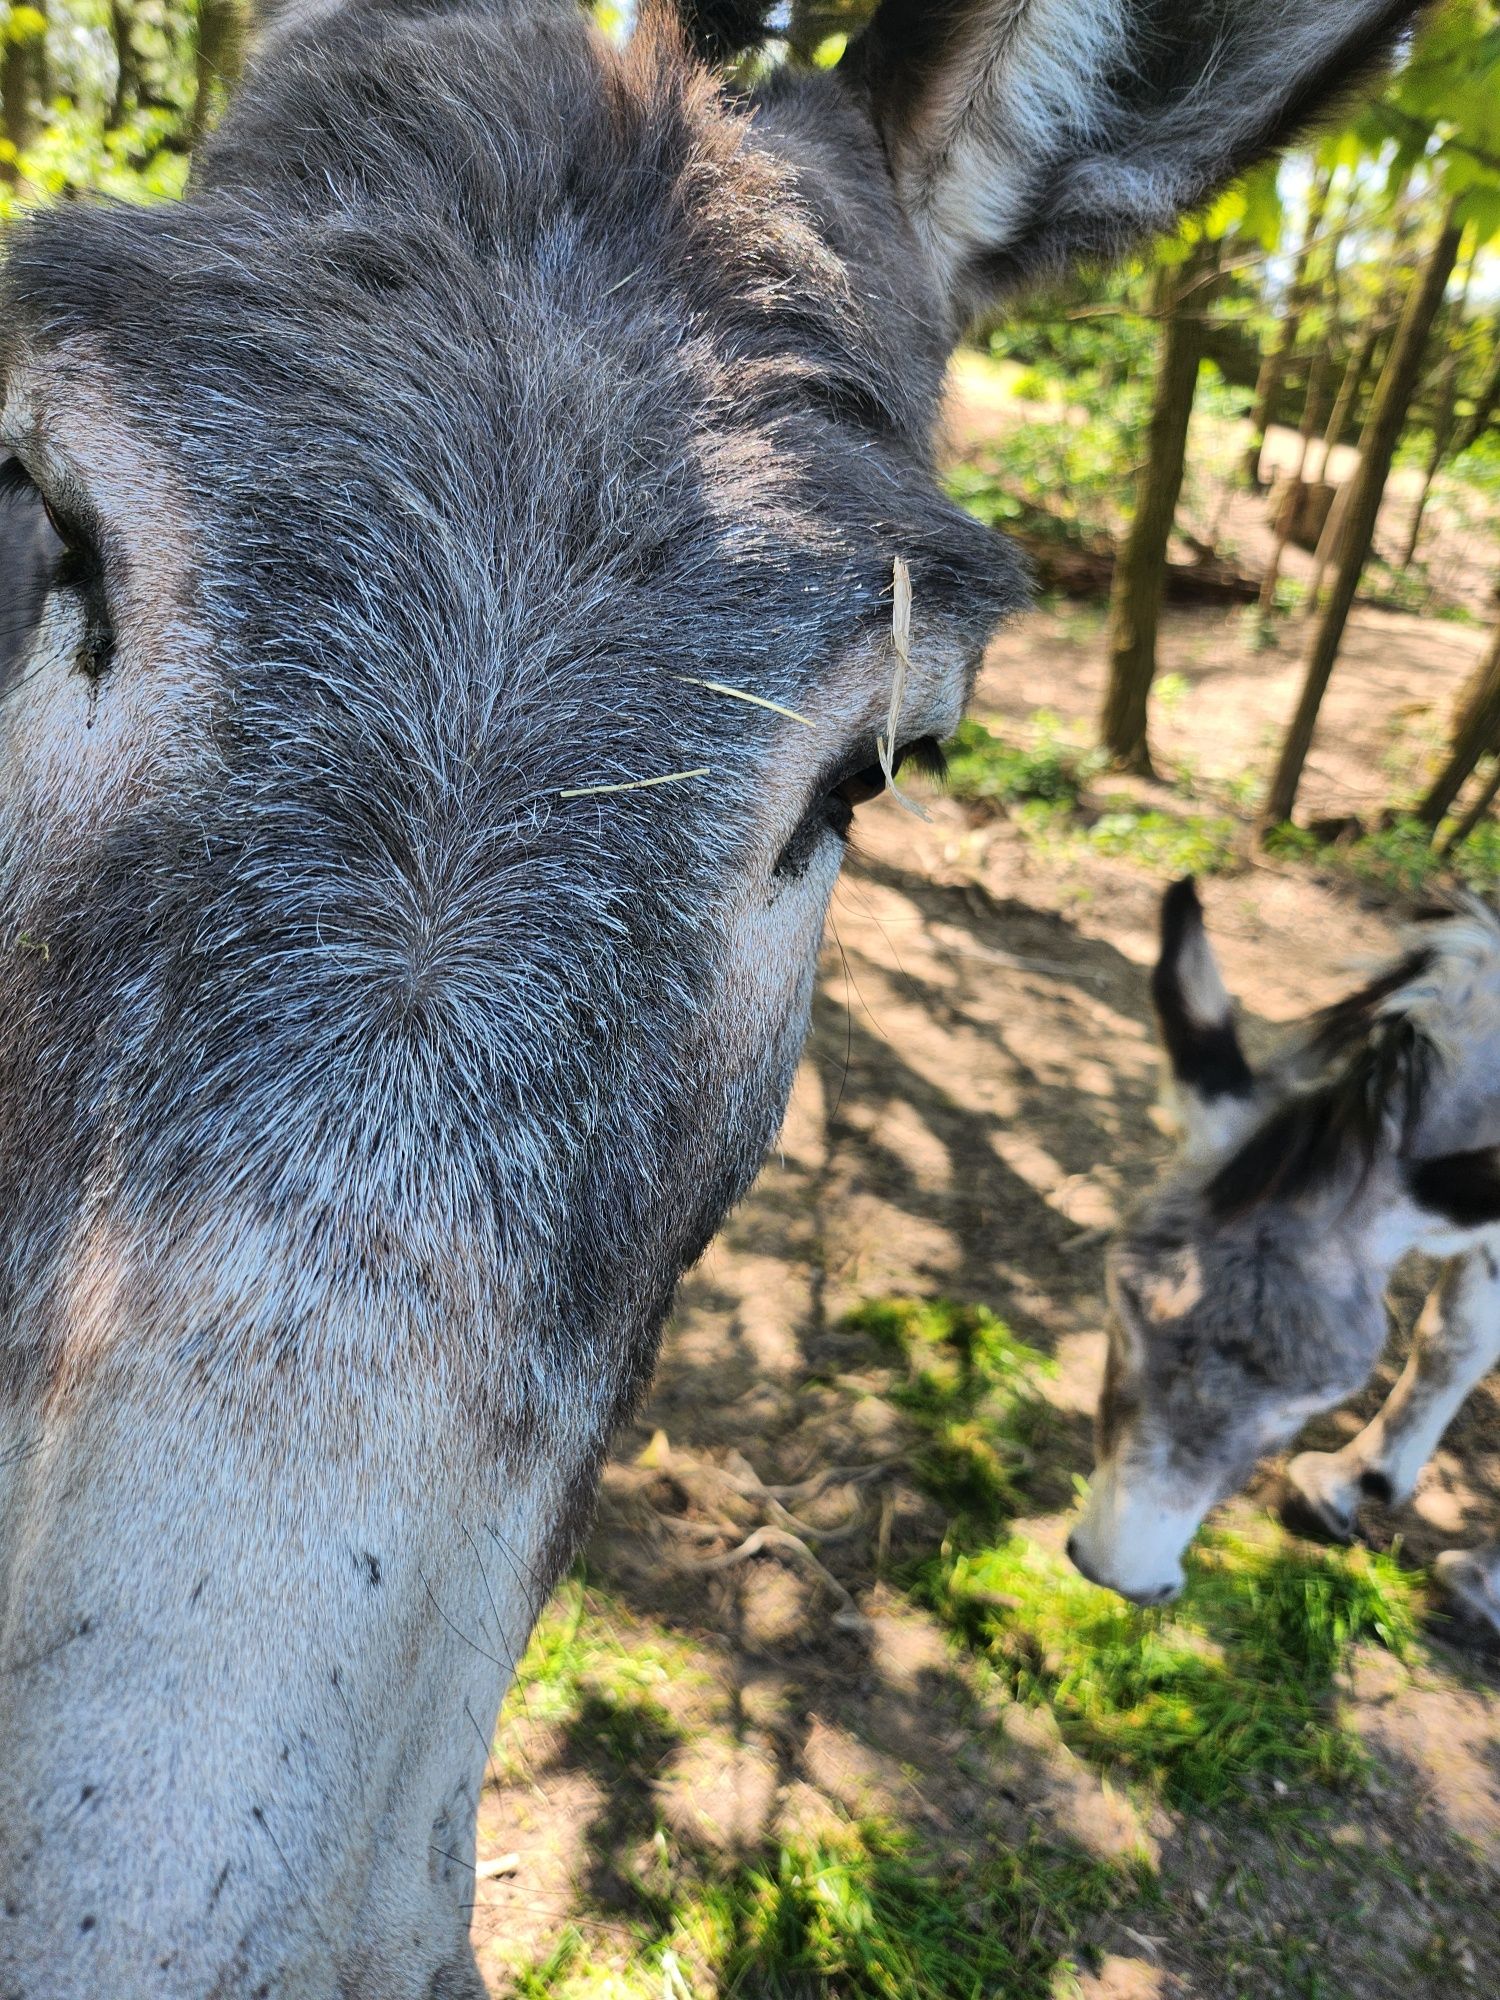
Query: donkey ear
{"points": [[1462, 1188], [1214, 1082], [1023, 133]]}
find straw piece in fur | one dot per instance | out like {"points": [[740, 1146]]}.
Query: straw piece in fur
{"points": [[739, 694], [885, 746], [634, 784]]}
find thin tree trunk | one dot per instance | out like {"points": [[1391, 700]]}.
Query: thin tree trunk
{"points": [[1477, 812], [1349, 389], [1477, 733], [1377, 449], [23, 96], [1140, 567], [1293, 500], [219, 54], [1273, 368], [127, 63], [1442, 417], [1355, 370]]}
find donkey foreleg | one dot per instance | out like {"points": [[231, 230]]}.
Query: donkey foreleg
{"points": [[1457, 1341]]}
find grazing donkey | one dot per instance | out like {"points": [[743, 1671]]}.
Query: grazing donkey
{"points": [[473, 514], [1248, 1292]]}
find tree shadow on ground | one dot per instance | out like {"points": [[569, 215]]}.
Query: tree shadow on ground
{"points": [[976, 1104]]}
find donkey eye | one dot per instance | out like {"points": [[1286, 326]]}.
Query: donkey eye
{"points": [[76, 566], [924, 754], [64, 531], [862, 787]]}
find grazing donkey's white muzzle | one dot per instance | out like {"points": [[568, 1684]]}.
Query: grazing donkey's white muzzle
{"points": [[1132, 1534]]}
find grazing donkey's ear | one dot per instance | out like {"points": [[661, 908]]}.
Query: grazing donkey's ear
{"points": [[1462, 1188], [1022, 133], [1213, 1080]]}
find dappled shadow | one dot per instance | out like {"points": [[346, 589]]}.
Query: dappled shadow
{"points": [[975, 1111]]}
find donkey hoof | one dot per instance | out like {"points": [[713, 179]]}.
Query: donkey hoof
{"points": [[1469, 1585], [1315, 1501]]}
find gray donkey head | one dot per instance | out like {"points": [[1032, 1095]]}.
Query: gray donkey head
{"points": [[1247, 1292], [467, 527]]}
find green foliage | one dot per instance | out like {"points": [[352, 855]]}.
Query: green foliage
{"points": [[1166, 843], [1237, 1681], [1063, 479], [971, 1389], [1091, 351], [984, 768], [102, 130], [1400, 859], [1044, 784]]}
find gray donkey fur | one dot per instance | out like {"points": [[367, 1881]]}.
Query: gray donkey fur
{"points": [[1248, 1291], [370, 1069]]}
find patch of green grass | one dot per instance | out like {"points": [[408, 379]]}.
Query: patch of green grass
{"points": [[1400, 859], [1166, 843], [984, 768], [603, 1673], [1044, 783], [856, 1914], [971, 1389], [1235, 1682]]}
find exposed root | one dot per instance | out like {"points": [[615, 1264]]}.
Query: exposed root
{"points": [[848, 1617], [719, 1492]]}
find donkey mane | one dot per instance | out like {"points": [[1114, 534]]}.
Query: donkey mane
{"points": [[1375, 1058]]}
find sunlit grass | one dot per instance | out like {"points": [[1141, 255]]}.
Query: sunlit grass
{"points": [[602, 1673], [1402, 858], [1236, 1681], [983, 767], [856, 1914], [971, 1388]]}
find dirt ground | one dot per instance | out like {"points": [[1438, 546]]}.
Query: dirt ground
{"points": [[975, 1109]]}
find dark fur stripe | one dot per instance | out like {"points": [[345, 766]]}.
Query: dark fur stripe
{"points": [[1206, 1060], [1332, 1131], [1348, 1022], [1463, 1187]]}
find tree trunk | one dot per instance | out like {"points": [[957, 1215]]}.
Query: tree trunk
{"points": [[1377, 449], [23, 96], [1477, 733], [127, 64], [1477, 812], [1273, 368], [1140, 567], [1353, 381], [1294, 491], [1444, 412], [220, 52], [1441, 435]]}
